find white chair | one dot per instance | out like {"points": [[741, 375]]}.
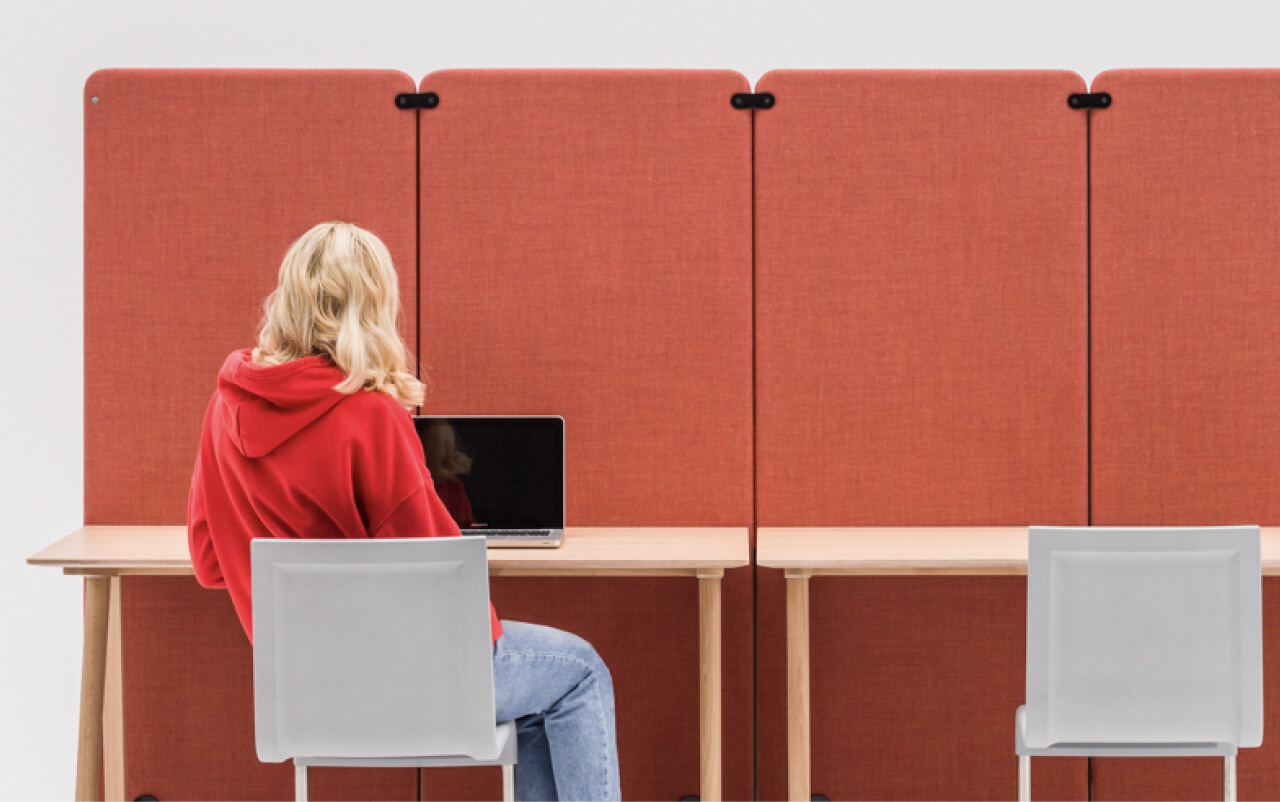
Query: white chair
{"points": [[1142, 643], [375, 653]]}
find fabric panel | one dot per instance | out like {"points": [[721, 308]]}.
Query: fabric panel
{"points": [[1185, 236], [920, 299], [586, 252], [196, 182], [921, 347], [1185, 207]]}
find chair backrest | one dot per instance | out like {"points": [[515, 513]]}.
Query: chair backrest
{"points": [[372, 648], [1144, 636]]}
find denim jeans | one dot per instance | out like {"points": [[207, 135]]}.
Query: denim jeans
{"points": [[559, 693]]}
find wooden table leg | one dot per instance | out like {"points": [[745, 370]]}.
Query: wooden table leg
{"points": [[709, 624], [798, 686], [113, 705], [97, 604]]}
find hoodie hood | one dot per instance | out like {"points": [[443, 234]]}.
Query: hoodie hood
{"points": [[261, 406]]}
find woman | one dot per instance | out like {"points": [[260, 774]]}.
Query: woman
{"points": [[309, 435]]}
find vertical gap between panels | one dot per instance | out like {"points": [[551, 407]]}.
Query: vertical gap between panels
{"points": [[417, 288], [1088, 316], [1088, 325], [755, 509]]}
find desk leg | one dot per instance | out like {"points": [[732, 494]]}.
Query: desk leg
{"points": [[798, 686], [97, 604], [709, 623], [113, 704]]}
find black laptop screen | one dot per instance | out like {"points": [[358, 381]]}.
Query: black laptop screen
{"points": [[497, 473]]}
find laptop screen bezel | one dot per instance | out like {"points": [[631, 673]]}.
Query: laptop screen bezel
{"points": [[564, 505]]}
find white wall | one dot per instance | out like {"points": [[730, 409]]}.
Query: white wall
{"points": [[47, 49]]}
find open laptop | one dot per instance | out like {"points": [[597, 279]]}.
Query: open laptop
{"points": [[501, 477]]}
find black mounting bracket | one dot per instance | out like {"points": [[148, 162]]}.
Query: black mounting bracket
{"points": [[425, 100], [1095, 100], [746, 100]]}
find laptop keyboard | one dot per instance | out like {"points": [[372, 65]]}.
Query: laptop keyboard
{"points": [[517, 532]]}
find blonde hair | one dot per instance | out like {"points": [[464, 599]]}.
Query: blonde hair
{"points": [[337, 297]]}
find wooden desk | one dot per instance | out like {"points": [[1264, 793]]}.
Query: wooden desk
{"points": [[103, 554], [804, 552]]}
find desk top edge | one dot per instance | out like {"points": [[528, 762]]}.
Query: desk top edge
{"points": [[725, 547]]}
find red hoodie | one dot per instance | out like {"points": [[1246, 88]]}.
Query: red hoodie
{"points": [[283, 454]]}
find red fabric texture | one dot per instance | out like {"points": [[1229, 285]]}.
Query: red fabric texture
{"points": [[586, 252], [1185, 198], [921, 298], [1185, 292], [196, 182], [285, 455], [594, 261], [921, 343]]}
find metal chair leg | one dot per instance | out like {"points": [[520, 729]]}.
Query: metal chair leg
{"points": [[508, 783], [1024, 778], [1229, 778], [300, 783]]}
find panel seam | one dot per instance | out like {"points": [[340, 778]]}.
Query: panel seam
{"points": [[755, 499], [417, 278], [417, 227], [1088, 326]]}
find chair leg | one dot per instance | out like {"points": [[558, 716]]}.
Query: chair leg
{"points": [[508, 783], [1229, 778], [1024, 778], [300, 783]]}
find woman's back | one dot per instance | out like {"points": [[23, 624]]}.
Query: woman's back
{"points": [[283, 454]]}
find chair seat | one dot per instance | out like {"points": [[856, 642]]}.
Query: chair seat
{"points": [[1207, 749], [504, 732]]}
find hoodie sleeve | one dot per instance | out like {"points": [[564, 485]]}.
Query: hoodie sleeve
{"points": [[422, 514], [203, 559]]}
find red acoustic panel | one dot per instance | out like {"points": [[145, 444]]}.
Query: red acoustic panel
{"points": [[921, 347], [586, 251], [1186, 232], [196, 182], [1185, 204]]}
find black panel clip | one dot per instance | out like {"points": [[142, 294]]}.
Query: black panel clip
{"points": [[746, 100], [424, 100], [1093, 100]]}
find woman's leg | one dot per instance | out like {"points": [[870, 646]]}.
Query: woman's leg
{"points": [[558, 690], [535, 775]]}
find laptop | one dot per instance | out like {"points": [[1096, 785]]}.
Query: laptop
{"points": [[499, 477]]}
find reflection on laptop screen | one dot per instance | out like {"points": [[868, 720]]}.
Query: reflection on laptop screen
{"points": [[497, 473]]}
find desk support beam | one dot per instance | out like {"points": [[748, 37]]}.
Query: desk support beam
{"points": [[709, 696], [97, 602], [798, 685]]}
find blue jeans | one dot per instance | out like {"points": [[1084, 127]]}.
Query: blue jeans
{"points": [[559, 693]]}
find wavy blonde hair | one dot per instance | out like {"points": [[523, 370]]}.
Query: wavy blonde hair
{"points": [[338, 297]]}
